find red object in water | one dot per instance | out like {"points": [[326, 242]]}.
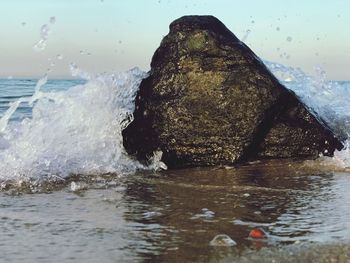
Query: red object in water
{"points": [[257, 233]]}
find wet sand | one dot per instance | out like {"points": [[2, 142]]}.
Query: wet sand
{"points": [[290, 254]]}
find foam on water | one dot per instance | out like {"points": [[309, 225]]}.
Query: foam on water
{"points": [[77, 131]]}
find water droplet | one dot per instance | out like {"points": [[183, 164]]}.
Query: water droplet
{"points": [[40, 45], [74, 69], [59, 57], [44, 34], [277, 28], [252, 21], [23, 23], [289, 39], [52, 20], [81, 52], [244, 38], [44, 31], [52, 64], [119, 41]]}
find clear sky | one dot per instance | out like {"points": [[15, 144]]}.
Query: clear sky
{"points": [[115, 35]]}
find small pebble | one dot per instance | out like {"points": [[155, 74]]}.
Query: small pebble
{"points": [[222, 240], [257, 233]]}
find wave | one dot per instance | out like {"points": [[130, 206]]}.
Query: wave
{"points": [[77, 131], [328, 99]]}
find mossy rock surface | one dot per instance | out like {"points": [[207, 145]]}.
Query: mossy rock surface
{"points": [[209, 100]]}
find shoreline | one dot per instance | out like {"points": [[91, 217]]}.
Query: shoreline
{"points": [[306, 252]]}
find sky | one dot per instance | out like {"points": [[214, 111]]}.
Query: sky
{"points": [[116, 35]]}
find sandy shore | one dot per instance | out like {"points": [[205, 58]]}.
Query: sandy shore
{"points": [[303, 253]]}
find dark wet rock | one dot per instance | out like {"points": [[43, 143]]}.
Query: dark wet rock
{"points": [[209, 100]]}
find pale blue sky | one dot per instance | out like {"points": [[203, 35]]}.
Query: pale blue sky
{"points": [[120, 34]]}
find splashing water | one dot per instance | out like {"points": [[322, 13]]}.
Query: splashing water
{"points": [[45, 30], [328, 99], [246, 35], [5, 119], [77, 131], [52, 20]]}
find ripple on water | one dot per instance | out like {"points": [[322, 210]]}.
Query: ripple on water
{"points": [[176, 214]]}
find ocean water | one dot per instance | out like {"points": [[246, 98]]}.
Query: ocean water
{"points": [[69, 192]]}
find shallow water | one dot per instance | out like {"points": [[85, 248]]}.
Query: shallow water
{"points": [[172, 216]]}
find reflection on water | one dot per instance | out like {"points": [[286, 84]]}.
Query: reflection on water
{"points": [[172, 216]]}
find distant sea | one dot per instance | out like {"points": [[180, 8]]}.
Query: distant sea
{"points": [[13, 89]]}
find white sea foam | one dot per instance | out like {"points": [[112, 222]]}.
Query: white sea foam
{"points": [[77, 131]]}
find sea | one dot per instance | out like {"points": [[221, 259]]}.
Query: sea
{"points": [[70, 193]]}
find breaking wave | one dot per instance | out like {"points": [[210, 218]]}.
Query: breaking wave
{"points": [[328, 99], [75, 131]]}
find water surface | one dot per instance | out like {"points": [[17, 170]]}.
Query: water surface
{"points": [[172, 216]]}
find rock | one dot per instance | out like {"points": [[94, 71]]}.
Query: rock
{"points": [[257, 233], [209, 100], [222, 240]]}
